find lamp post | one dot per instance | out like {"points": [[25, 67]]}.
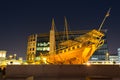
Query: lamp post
{"points": [[107, 56]]}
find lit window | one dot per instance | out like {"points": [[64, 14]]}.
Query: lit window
{"points": [[44, 48], [38, 44], [48, 49]]}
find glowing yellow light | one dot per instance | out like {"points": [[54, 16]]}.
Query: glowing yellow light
{"points": [[88, 64], [44, 60]]}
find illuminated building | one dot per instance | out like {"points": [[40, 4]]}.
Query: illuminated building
{"points": [[119, 55], [2, 54], [38, 44], [113, 58]]}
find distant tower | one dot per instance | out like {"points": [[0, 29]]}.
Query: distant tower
{"points": [[52, 38], [118, 54]]}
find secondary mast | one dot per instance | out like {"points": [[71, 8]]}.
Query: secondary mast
{"points": [[52, 38], [66, 28]]}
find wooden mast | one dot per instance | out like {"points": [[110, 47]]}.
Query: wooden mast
{"points": [[52, 38], [66, 28]]}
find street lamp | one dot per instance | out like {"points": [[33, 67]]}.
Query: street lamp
{"points": [[107, 56]]}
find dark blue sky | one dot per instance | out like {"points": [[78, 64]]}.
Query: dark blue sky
{"points": [[19, 19]]}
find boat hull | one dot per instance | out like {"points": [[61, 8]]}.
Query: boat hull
{"points": [[75, 56]]}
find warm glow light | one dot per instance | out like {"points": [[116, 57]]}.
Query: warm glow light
{"points": [[88, 64], [3, 54], [44, 60]]}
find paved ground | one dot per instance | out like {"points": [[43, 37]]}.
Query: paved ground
{"points": [[63, 72]]}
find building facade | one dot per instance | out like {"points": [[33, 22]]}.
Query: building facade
{"points": [[118, 54], [2, 55], [31, 48], [38, 44]]}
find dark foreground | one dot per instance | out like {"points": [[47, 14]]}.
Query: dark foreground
{"points": [[62, 72]]}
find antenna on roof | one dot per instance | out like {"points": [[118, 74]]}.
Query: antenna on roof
{"points": [[107, 14]]}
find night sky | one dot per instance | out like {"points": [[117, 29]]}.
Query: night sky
{"points": [[19, 19]]}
